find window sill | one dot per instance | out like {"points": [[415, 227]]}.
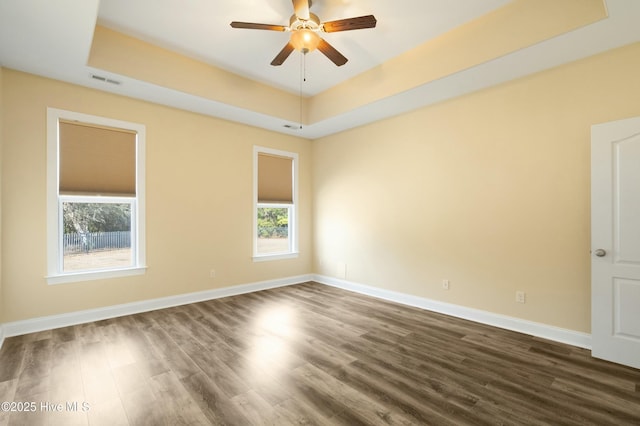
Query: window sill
{"points": [[95, 275], [268, 257]]}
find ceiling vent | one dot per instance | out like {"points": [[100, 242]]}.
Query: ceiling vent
{"points": [[105, 79]]}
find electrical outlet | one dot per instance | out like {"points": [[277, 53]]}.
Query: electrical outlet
{"points": [[445, 284], [520, 296], [212, 273]]}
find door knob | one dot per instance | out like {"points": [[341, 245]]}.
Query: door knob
{"points": [[600, 253]]}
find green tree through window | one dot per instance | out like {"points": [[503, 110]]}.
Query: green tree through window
{"points": [[273, 222]]}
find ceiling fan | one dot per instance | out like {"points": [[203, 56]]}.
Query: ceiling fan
{"points": [[305, 26]]}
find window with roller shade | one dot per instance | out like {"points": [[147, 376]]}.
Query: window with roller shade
{"points": [[95, 197], [275, 202]]}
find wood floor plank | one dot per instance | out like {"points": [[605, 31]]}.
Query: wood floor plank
{"points": [[175, 359], [204, 360], [141, 407], [257, 411], [214, 403], [12, 356], [406, 373], [36, 367], [7, 394], [66, 383], [626, 409], [309, 354], [108, 412], [298, 412], [175, 402], [361, 408], [378, 388]]}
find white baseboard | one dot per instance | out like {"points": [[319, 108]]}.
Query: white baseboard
{"points": [[557, 334], [73, 318]]}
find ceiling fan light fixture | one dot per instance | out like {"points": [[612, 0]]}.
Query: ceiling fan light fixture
{"points": [[304, 27], [305, 40]]}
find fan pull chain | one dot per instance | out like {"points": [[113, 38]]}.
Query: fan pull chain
{"points": [[303, 78]]}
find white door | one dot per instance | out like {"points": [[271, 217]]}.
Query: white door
{"points": [[615, 241]]}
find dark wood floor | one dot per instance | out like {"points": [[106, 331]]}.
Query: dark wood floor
{"points": [[307, 354]]}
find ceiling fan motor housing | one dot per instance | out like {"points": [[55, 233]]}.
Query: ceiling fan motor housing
{"points": [[313, 23]]}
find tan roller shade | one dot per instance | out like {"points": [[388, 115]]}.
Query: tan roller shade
{"points": [[96, 160], [275, 179]]}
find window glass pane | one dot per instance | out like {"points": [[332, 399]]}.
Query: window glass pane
{"points": [[273, 230], [96, 236]]}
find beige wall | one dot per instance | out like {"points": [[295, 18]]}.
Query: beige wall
{"points": [[1, 242], [199, 201], [490, 191]]}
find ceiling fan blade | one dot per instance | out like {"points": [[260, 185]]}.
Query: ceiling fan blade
{"points": [[361, 22], [330, 52], [252, 26], [283, 55], [301, 9]]}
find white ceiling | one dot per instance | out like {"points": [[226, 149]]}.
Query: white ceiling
{"points": [[200, 29], [53, 39]]}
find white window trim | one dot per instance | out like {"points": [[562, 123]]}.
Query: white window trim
{"points": [[55, 275], [293, 219]]}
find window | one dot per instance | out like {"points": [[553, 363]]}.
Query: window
{"points": [[275, 204], [95, 197]]}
